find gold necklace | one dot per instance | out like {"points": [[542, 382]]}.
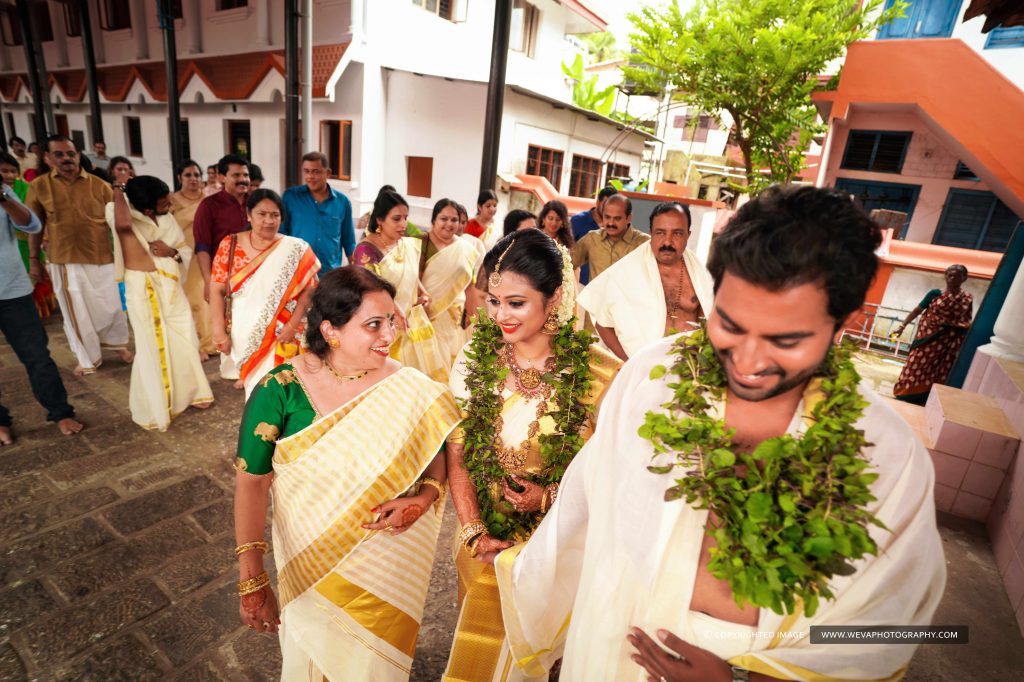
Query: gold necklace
{"points": [[345, 377], [529, 381]]}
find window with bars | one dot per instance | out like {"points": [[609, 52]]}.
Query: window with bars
{"points": [[705, 124], [9, 27], [336, 143], [546, 163], [877, 151], [442, 8], [962, 172], [522, 35], [72, 23], [239, 139], [133, 134], [972, 219], [115, 15], [223, 5], [618, 171], [1001, 37], [585, 175]]}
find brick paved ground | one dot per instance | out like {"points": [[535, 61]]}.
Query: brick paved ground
{"points": [[116, 562]]}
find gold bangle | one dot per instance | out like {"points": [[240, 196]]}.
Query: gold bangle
{"points": [[258, 544], [436, 484], [552, 495], [470, 531], [253, 585], [471, 545]]}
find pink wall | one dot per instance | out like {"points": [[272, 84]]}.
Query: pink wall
{"points": [[928, 163]]}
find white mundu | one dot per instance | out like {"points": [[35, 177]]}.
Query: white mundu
{"points": [[91, 307], [629, 298], [613, 554], [167, 375]]}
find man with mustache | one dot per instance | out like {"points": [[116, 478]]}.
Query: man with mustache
{"points": [[220, 215], [617, 237], [71, 203], [658, 289]]}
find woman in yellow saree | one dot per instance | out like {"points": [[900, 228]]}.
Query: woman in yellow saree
{"points": [[270, 278], [528, 384], [347, 441], [389, 253], [450, 263], [184, 203]]}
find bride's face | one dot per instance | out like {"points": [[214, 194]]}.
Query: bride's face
{"points": [[518, 308]]}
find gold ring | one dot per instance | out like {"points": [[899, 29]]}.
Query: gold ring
{"points": [[266, 625]]}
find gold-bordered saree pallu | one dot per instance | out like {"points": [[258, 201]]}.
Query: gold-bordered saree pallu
{"points": [[263, 297], [448, 273], [351, 600]]}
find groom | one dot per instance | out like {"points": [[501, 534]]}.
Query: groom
{"points": [[638, 569]]}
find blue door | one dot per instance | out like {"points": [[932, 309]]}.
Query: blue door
{"points": [[924, 19], [890, 196]]}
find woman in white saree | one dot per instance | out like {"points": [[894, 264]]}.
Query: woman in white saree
{"points": [[347, 441]]}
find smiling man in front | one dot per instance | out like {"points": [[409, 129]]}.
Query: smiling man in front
{"points": [[741, 486]]}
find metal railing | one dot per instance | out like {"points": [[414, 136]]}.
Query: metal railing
{"points": [[875, 331]]}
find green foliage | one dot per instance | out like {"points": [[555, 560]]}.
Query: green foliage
{"points": [[601, 46], [759, 60], [570, 379], [584, 90], [789, 515]]}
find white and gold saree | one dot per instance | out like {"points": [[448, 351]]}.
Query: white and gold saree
{"points": [[448, 273]]}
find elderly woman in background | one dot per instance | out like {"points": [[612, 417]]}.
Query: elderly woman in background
{"points": [[260, 284], [184, 203], [347, 439], [389, 253], [449, 265]]}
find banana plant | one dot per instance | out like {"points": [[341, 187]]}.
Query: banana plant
{"points": [[585, 93]]}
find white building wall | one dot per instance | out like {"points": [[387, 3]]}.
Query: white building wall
{"points": [[907, 287]]}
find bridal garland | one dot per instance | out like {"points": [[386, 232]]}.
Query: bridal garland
{"points": [[570, 379], [787, 516]]}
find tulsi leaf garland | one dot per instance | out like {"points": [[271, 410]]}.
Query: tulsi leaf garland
{"points": [[787, 516]]}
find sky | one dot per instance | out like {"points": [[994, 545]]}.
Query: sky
{"points": [[615, 11]]}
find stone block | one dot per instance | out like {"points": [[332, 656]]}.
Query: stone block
{"points": [[996, 450], [124, 659], [23, 604], [944, 496], [201, 566], [949, 470], [983, 480], [121, 561], [970, 506], [217, 518], [150, 478], [1014, 581], [257, 660], [18, 463], [26, 521], [29, 555], [164, 503], [101, 468], [182, 632], [958, 440], [74, 629], [207, 670], [11, 667], [24, 490]]}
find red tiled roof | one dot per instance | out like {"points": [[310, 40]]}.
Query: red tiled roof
{"points": [[229, 77]]}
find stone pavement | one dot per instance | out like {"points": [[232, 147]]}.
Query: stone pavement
{"points": [[116, 561]]}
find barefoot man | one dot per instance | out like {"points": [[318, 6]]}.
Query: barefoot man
{"points": [[70, 203], [21, 326]]}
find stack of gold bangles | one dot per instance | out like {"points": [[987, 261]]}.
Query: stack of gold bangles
{"points": [[547, 498], [253, 585], [470, 535], [433, 483], [258, 544]]}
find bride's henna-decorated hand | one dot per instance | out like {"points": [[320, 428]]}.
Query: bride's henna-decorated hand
{"points": [[527, 501]]}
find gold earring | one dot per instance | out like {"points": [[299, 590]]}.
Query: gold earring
{"points": [[333, 342], [551, 326]]}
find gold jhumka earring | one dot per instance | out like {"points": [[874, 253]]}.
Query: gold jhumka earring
{"points": [[551, 325]]}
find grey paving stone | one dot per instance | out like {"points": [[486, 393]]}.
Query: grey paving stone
{"points": [[22, 604], [184, 631], [201, 566], [217, 518], [53, 640], [255, 656], [123, 659], [138, 513], [103, 467], [18, 463], [28, 520], [11, 667], [31, 554], [158, 475], [207, 670], [120, 561], [23, 490]]}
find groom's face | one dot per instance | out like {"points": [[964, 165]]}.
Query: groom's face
{"points": [[769, 342]]}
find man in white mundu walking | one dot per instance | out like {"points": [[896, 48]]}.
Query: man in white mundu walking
{"points": [[70, 203]]}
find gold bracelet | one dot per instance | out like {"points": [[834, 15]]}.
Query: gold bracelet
{"points": [[471, 545], [436, 484], [552, 491], [470, 531], [253, 585], [258, 544]]}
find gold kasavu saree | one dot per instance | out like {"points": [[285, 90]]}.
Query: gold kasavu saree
{"points": [[446, 276], [351, 599]]}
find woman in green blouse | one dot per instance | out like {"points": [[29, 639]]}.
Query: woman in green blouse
{"points": [[347, 440]]}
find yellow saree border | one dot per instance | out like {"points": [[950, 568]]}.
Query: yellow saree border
{"points": [[384, 620]]}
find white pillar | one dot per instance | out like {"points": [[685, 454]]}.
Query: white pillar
{"points": [[194, 26], [1008, 339], [97, 32], [60, 35], [262, 10], [307, 76], [372, 140], [140, 30]]}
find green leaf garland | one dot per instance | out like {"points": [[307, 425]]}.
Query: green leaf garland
{"points": [[797, 515]]}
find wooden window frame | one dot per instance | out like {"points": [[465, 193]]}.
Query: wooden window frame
{"points": [[337, 156], [129, 144], [416, 185], [531, 21], [616, 170], [907, 137], [228, 5], [229, 137], [584, 182], [107, 22], [72, 23], [555, 178], [443, 9]]}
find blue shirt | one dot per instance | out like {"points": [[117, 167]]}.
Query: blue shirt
{"points": [[582, 223], [326, 225], [14, 281]]}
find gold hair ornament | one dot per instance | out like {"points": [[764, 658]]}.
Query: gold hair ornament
{"points": [[495, 278]]}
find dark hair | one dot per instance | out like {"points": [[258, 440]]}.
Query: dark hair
{"points": [[441, 205], [959, 266], [186, 164], [621, 198], [6, 158], [564, 234], [144, 191], [213, 166], [227, 161], [119, 159], [672, 207], [317, 156], [336, 298], [256, 173], [386, 188], [15, 138], [258, 195], [59, 138], [606, 192], [529, 253], [462, 211], [385, 201], [790, 236], [514, 217], [86, 163], [485, 196]]}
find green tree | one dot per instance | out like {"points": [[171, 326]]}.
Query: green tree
{"points": [[600, 46], [585, 93], [759, 60]]}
